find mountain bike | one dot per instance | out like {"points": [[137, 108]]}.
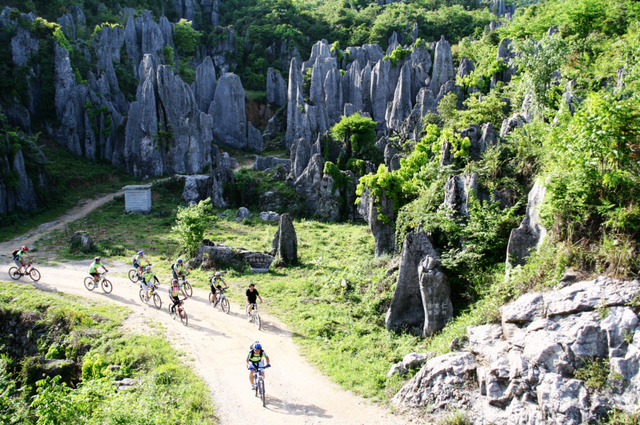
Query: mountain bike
{"points": [[258, 380], [152, 294], [135, 276], [221, 299], [179, 311], [90, 284], [255, 315], [186, 286], [33, 273]]}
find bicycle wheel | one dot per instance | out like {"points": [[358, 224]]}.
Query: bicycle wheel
{"points": [[157, 301], [256, 320], [262, 393], [107, 287], [89, 283], [183, 317], [211, 299], [225, 305], [34, 274], [188, 289], [141, 293], [133, 276], [14, 273]]}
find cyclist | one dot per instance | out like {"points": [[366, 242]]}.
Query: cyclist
{"points": [[174, 294], [178, 269], [254, 361], [18, 258], [93, 269], [252, 295], [215, 283], [147, 277], [137, 260]]}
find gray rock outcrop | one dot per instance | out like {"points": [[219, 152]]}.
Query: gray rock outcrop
{"points": [[228, 112], [457, 191], [81, 241], [267, 162], [254, 138], [276, 88], [285, 242], [510, 124], [442, 65], [196, 187], [25, 195], [401, 107], [523, 370], [420, 303], [383, 232], [206, 82], [530, 234]]}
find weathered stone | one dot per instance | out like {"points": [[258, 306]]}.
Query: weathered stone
{"points": [[457, 192], [264, 163], [285, 242], [442, 65], [530, 234], [300, 156], [269, 216], [228, 112], [379, 93], [333, 95], [401, 107], [206, 82], [254, 138], [25, 195], [276, 88], [435, 293], [195, 187], [352, 86], [296, 112], [407, 310], [80, 241], [372, 211], [510, 124], [243, 213]]}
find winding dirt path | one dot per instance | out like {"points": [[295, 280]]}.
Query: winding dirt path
{"points": [[218, 343]]}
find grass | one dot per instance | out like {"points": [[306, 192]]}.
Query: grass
{"points": [[74, 178], [88, 332]]}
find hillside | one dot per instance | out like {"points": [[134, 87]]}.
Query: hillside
{"points": [[491, 148]]}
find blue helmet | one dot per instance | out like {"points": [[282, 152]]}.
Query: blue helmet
{"points": [[140, 253], [257, 346], [180, 260]]}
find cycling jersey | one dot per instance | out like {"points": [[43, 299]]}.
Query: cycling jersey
{"points": [[178, 267], [174, 290], [93, 268], [255, 358], [147, 277], [252, 295]]}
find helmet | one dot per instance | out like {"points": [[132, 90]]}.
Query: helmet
{"points": [[140, 252], [173, 281], [180, 260], [97, 259], [147, 268], [257, 346], [24, 248], [218, 274]]}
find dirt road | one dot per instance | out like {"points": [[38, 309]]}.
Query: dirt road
{"points": [[218, 343]]}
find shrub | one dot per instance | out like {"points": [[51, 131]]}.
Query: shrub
{"points": [[185, 37], [191, 223]]}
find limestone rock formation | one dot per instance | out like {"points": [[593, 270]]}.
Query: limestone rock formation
{"points": [[254, 138], [401, 107], [285, 242], [276, 88], [383, 231], [457, 191], [81, 241], [267, 162], [421, 303], [228, 112], [206, 82], [530, 234], [196, 187], [442, 65], [523, 371]]}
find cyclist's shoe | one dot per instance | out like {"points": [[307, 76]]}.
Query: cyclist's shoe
{"points": [[253, 387]]}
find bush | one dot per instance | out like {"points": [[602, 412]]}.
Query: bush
{"points": [[191, 223]]}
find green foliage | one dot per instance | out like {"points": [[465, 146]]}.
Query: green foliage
{"points": [[164, 138], [185, 37], [593, 172], [167, 54], [398, 55], [187, 71], [191, 223], [596, 372], [620, 417], [358, 135], [455, 418]]}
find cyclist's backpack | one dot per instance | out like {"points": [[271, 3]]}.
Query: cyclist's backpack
{"points": [[14, 254], [251, 350]]}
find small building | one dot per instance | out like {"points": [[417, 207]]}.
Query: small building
{"points": [[137, 198]]}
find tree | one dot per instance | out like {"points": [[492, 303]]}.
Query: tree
{"points": [[191, 223], [185, 37], [358, 134]]}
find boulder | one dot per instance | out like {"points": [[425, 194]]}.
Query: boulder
{"points": [[80, 241], [269, 216], [196, 187], [530, 234], [510, 124], [243, 213], [285, 242], [228, 112]]}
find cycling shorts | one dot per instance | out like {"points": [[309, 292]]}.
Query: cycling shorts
{"points": [[17, 261], [260, 364], [94, 274], [135, 264]]}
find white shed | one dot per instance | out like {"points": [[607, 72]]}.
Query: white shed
{"points": [[137, 198]]}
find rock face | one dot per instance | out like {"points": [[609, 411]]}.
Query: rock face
{"points": [[383, 232], [165, 132], [523, 371], [25, 195], [276, 88], [285, 242], [80, 241], [442, 65], [228, 112], [254, 138], [205, 88], [530, 234], [457, 191], [195, 187], [266, 162], [421, 303]]}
